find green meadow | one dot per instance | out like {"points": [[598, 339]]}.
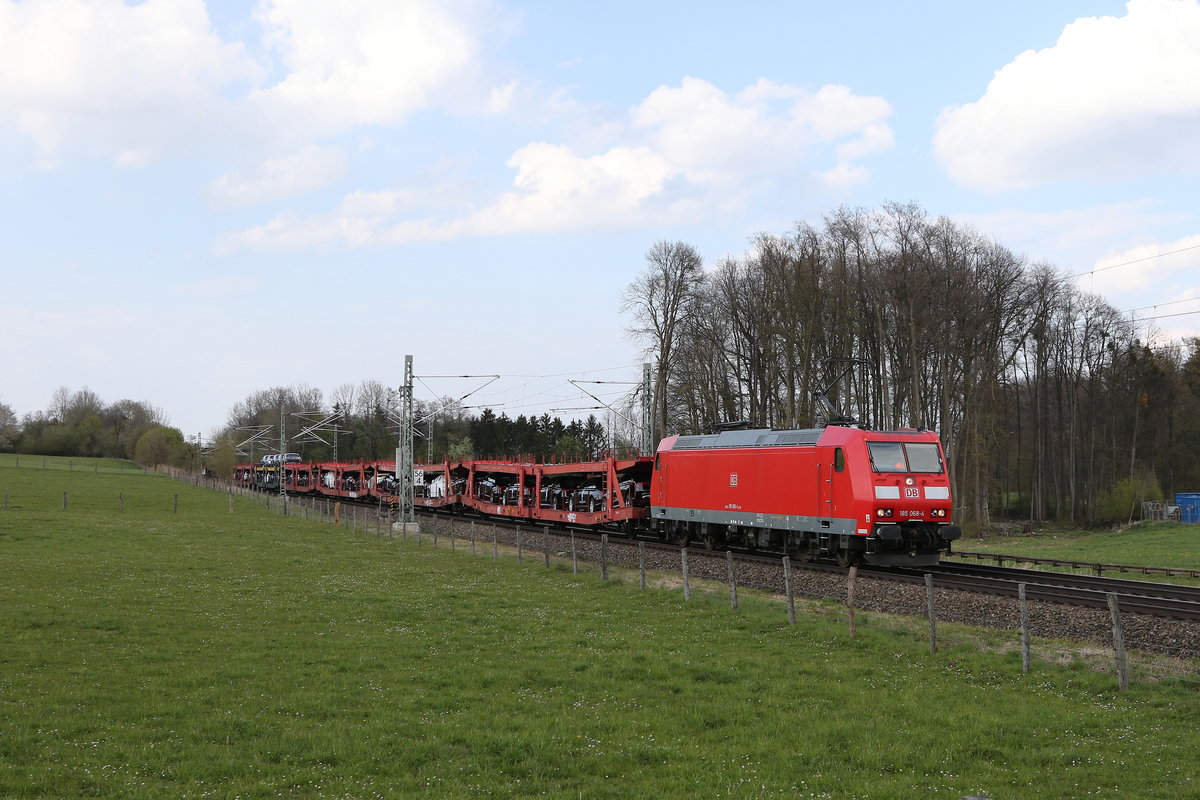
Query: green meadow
{"points": [[151, 652], [1155, 544]]}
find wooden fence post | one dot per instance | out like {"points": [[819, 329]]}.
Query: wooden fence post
{"points": [[64, 501], [175, 509], [546, 544], [120, 501], [520, 546], [1024, 628], [495, 546], [787, 588], [932, 617], [574, 559], [642, 563], [472, 537], [1119, 642], [687, 586], [604, 556], [851, 580], [453, 542], [733, 600]]}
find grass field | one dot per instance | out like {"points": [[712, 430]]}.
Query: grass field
{"points": [[1157, 544], [154, 654]]}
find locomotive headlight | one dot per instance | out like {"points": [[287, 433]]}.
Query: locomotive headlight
{"points": [[938, 512], [883, 513]]}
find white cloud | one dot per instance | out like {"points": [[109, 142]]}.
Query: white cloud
{"points": [[555, 189], [1113, 98], [364, 61], [1156, 284], [136, 82], [844, 176], [312, 168], [126, 82], [361, 219], [688, 154], [768, 124], [1073, 239], [1093, 244], [1156, 266]]}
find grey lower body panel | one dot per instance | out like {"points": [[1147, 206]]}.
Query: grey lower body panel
{"points": [[779, 522]]}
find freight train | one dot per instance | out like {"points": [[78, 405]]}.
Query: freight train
{"points": [[838, 492]]}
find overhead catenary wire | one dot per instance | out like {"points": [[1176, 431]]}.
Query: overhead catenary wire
{"points": [[550, 399], [1134, 261], [1168, 316], [1166, 303]]}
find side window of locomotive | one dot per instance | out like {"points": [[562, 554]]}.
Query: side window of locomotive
{"points": [[657, 461], [887, 456], [839, 460], [923, 458]]}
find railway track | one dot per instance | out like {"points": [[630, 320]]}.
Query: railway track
{"points": [[1140, 597]]}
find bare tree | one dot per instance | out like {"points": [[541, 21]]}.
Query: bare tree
{"points": [[60, 404], [8, 426], [344, 397], [661, 301]]}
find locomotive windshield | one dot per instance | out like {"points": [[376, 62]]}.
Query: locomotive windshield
{"points": [[905, 457]]}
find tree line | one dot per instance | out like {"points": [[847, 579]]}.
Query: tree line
{"points": [[366, 426], [1049, 405], [79, 423], [360, 422]]}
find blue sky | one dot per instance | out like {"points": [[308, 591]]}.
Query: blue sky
{"points": [[204, 199]]}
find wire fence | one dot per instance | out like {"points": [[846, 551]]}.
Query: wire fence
{"points": [[1052, 632]]}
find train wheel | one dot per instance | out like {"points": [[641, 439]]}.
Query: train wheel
{"points": [[846, 558], [803, 552], [711, 542]]}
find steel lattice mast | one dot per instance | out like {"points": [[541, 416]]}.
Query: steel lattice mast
{"points": [[282, 450], [404, 453], [647, 413]]}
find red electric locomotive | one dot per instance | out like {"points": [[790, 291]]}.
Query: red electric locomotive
{"points": [[882, 497]]}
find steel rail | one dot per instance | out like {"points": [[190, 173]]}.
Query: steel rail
{"points": [[1095, 566]]}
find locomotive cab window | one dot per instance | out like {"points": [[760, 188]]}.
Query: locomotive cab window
{"points": [[905, 457], [923, 457], [839, 460]]}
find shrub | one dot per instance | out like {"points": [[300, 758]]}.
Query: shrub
{"points": [[1120, 504]]}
